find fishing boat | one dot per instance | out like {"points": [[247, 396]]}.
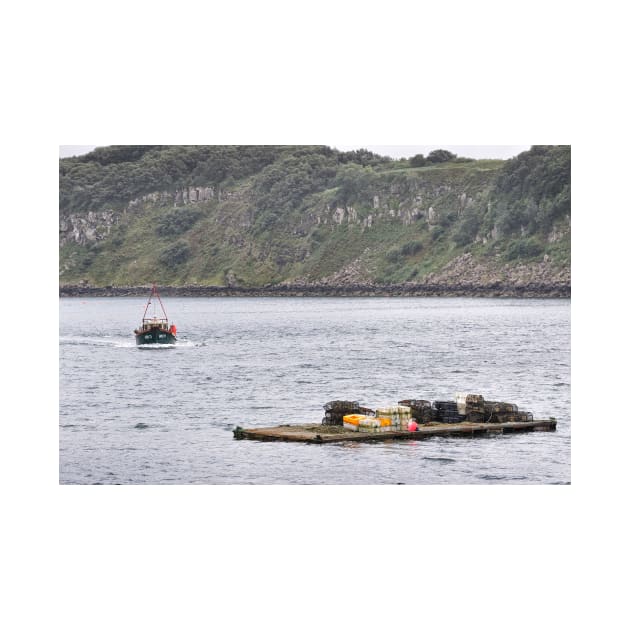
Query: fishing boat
{"points": [[155, 329]]}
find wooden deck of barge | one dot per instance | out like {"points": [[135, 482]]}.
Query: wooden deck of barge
{"points": [[321, 434]]}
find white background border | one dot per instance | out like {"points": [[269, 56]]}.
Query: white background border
{"points": [[329, 73]]}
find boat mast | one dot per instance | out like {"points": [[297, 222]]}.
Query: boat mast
{"points": [[154, 292]]}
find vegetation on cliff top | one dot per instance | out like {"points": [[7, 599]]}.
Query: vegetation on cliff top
{"points": [[307, 213]]}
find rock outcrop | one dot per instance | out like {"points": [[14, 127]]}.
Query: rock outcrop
{"points": [[86, 228]]}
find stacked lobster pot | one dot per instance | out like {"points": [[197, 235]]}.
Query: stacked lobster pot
{"points": [[337, 409], [448, 411], [506, 412], [421, 410], [466, 407], [476, 409], [495, 411], [471, 406]]}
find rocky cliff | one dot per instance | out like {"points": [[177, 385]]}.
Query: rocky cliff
{"points": [[308, 219]]}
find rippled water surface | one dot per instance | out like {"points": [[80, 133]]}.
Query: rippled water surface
{"points": [[165, 415]]}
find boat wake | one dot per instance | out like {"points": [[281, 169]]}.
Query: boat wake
{"points": [[185, 343], [125, 342], [120, 342]]}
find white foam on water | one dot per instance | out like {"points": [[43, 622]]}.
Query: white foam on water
{"points": [[185, 343], [94, 341], [124, 342]]}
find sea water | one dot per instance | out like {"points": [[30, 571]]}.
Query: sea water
{"points": [[165, 414]]}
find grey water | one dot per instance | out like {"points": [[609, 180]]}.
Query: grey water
{"points": [[165, 415]]}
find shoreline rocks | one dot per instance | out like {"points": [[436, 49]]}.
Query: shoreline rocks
{"points": [[495, 289]]}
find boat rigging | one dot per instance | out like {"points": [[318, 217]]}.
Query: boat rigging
{"points": [[155, 329]]}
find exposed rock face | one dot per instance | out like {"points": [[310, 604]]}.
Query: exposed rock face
{"points": [[91, 227], [407, 202], [557, 233], [194, 195], [182, 196], [86, 228]]}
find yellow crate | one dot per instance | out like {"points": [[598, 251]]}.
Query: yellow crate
{"points": [[353, 418]]}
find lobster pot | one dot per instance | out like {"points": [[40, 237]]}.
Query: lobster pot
{"points": [[499, 407], [366, 411], [475, 416], [497, 411], [335, 410], [502, 416], [469, 402], [333, 419], [341, 405], [474, 403], [525, 416], [494, 418], [447, 411], [452, 418]]}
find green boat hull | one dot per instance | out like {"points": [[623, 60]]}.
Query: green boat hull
{"points": [[155, 336]]}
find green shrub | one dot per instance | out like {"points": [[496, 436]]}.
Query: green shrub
{"points": [[523, 248], [398, 252], [533, 190], [467, 229], [175, 254], [440, 155], [437, 233], [411, 248], [177, 221], [417, 160]]}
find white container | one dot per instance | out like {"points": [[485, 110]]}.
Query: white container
{"points": [[369, 430], [460, 399], [370, 425], [400, 411]]}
